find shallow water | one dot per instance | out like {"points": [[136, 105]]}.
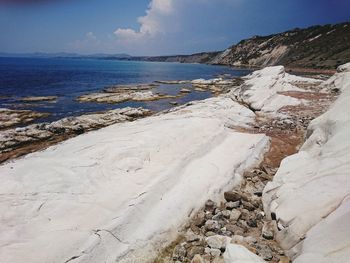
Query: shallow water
{"points": [[70, 78]]}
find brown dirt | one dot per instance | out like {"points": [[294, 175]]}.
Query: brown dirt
{"points": [[311, 70]]}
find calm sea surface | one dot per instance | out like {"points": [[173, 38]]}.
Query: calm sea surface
{"points": [[70, 78]]}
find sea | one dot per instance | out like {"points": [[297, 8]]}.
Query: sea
{"points": [[71, 78]]}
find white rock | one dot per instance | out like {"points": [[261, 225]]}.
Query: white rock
{"points": [[310, 192], [260, 89], [239, 254], [120, 192]]}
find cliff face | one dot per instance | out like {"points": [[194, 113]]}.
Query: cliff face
{"points": [[315, 47]]}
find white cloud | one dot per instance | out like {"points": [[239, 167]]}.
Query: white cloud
{"points": [[151, 24], [91, 35]]}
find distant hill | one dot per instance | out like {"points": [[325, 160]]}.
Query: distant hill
{"points": [[320, 47], [204, 57], [314, 47]]}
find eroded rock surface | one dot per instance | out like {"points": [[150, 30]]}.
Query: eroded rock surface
{"points": [[9, 118]]}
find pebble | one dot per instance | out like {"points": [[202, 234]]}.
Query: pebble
{"points": [[235, 215], [232, 205], [226, 214], [209, 206], [194, 251], [212, 225], [179, 253], [232, 196], [191, 237], [267, 231], [199, 219]]}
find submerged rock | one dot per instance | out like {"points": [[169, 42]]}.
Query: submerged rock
{"points": [[38, 98], [123, 93]]}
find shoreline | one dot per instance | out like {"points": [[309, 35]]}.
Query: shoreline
{"points": [[18, 141], [146, 169]]}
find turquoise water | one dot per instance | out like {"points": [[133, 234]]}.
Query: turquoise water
{"points": [[70, 78]]}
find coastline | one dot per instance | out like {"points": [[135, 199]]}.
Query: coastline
{"points": [[166, 180]]}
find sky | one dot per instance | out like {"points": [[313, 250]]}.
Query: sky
{"points": [[153, 27]]}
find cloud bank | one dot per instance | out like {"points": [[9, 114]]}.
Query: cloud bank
{"points": [[174, 26], [151, 24]]}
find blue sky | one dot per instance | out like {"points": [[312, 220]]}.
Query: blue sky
{"points": [[153, 27]]}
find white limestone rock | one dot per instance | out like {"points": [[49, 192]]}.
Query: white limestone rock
{"points": [[261, 89], [123, 191], [310, 192]]}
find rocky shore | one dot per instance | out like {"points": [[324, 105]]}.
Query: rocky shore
{"points": [[20, 141], [236, 227], [122, 93], [9, 118], [148, 92], [139, 193]]}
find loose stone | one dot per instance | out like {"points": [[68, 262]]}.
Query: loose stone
{"points": [[232, 205]]}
